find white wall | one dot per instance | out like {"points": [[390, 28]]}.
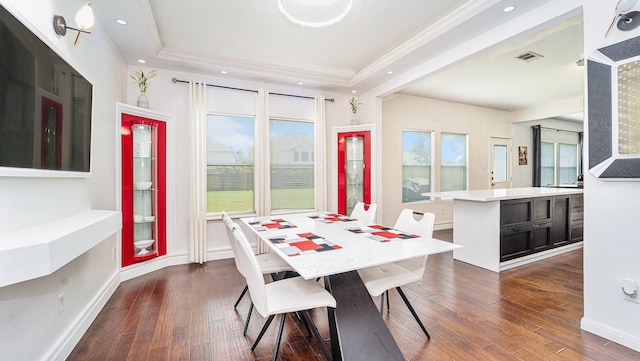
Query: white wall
{"points": [[173, 98], [417, 113], [30, 326], [522, 136], [611, 245]]}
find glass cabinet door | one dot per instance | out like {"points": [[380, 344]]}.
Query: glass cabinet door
{"points": [[144, 193], [354, 163]]}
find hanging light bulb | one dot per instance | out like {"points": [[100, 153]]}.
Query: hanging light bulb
{"points": [[84, 20], [84, 17]]}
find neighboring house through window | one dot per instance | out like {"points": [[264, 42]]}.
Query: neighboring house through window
{"points": [[230, 164], [416, 165], [292, 165], [453, 162]]}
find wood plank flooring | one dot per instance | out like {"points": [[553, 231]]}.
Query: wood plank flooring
{"points": [[186, 313]]}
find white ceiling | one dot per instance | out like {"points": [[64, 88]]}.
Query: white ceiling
{"points": [[252, 40]]}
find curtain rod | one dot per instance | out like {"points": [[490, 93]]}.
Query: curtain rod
{"points": [[560, 130], [174, 80]]}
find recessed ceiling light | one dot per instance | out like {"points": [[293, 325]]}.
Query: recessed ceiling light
{"points": [[354, 91], [390, 72], [300, 83], [509, 9], [141, 61], [224, 72], [121, 21]]}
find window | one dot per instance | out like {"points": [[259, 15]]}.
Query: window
{"points": [[292, 165], [416, 165], [453, 155], [568, 163], [230, 164], [260, 151], [500, 165], [547, 163], [559, 163]]}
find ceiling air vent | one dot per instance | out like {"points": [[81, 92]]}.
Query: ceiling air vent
{"points": [[529, 56]]}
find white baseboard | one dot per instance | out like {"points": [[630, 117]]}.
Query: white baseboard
{"points": [[219, 254], [139, 269], [539, 256], [439, 226], [612, 334], [70, 338], [178, 259]]}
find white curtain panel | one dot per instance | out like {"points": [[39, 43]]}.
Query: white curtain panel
{"points": [[320, 154], [262, 160], [198, 219]]}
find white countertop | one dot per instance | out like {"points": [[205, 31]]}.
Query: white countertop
{"points": [[488, 195]]}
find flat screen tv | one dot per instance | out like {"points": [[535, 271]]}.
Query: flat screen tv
{"points": [[45, 104]]}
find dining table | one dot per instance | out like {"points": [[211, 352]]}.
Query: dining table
{"points": [[334, 247]]}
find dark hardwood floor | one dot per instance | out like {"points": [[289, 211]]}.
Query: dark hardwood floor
{"points": [[186, 313]]}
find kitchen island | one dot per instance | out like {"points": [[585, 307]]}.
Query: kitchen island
{"points": [[505, 228]]}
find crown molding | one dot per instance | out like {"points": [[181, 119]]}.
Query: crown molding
{"points": [[239, 65], [452, 20], [150, 24]]}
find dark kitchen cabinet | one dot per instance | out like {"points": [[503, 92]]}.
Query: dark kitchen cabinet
{"points": [[533, 225], [577, 218], [561, 220]]}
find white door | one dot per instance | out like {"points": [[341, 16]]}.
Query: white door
{"points": [[500, 163]]}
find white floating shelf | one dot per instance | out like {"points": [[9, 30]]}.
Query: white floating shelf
{"points": [[41, 250]]}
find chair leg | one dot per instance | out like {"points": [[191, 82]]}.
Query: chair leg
{"points": [[388, 308], [413, 312], [316, 333], [246, 323], [306, 324], [246, 288], [384, 295], [276, 348], [264, 329]]}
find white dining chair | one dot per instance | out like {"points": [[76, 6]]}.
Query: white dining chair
{"points": [[380, 279], [269, 263], [282, 297], [364, 212]]}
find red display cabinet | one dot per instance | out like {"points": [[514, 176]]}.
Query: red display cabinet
{"points": [[354, 169], [143, 189]]}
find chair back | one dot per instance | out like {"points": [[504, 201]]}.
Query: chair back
{"points": [[228, 223], [422, 227], [364, 212], [252, 272], [230, 226]]}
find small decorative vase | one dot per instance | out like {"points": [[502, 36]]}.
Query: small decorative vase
{"points": [[143, 101], [354, 119]]}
